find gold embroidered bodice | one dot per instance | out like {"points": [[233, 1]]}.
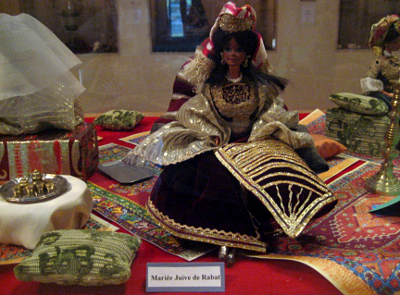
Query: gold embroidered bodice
{"points": [[236, 102]]}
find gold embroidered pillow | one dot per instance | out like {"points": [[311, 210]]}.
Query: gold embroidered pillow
{"points": [[81, 257], [361, 104], [119, 119], [281, 180]]}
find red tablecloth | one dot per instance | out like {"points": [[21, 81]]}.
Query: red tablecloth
{"points": [[247, 276]]}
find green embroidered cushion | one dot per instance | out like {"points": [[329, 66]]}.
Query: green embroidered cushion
{"points": [[119, 119], [81, 257], [361, 104], [363, 134]]}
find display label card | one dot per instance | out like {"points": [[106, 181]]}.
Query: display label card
{"points": [[185, 277]]}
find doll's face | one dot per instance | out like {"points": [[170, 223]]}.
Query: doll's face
{"points": [[233, 54]]}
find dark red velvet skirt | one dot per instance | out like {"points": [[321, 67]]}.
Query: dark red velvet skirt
{"points": [[201, 200]]}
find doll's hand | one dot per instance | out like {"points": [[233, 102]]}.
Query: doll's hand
{"points": [[387, 93], [216, 140]]}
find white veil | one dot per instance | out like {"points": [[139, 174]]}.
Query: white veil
{"points": [[37, 89]]}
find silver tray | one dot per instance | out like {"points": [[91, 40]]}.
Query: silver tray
{"points": [[60, 185]]}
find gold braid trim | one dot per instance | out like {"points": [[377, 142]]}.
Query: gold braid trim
{"points": [[235, 101], [211, 236], [266, 162], [257, 155], [198, 70], [232, 24]]}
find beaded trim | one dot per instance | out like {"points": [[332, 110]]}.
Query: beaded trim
{"points": [[237, 80], [232, 24], [237, 102]]}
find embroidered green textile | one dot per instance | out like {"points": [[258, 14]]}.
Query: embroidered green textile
{"points": [[82, 257], [363, 134], [119, 119], [361, 104]]}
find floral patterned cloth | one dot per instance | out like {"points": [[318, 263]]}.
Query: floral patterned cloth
{"points": [[360, 133]]}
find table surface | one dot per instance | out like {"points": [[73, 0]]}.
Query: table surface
{"points": [[246, 276]]}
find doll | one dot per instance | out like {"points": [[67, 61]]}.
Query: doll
{"points": [[384, 71], [235, 125]]}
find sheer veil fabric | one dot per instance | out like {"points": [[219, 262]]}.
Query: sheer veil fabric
{"points": [[36, 84]]}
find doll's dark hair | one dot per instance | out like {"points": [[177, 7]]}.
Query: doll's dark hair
{"points": [[391, 35], [248, 42]]}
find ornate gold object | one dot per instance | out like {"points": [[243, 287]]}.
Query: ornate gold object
{"points": [[384, 182], [34, 188], [231, 24]]}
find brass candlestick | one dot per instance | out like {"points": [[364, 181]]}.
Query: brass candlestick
{"points": [[385, 182]]}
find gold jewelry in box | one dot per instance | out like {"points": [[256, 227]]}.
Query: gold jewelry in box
{"points": [[232, 24]]}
